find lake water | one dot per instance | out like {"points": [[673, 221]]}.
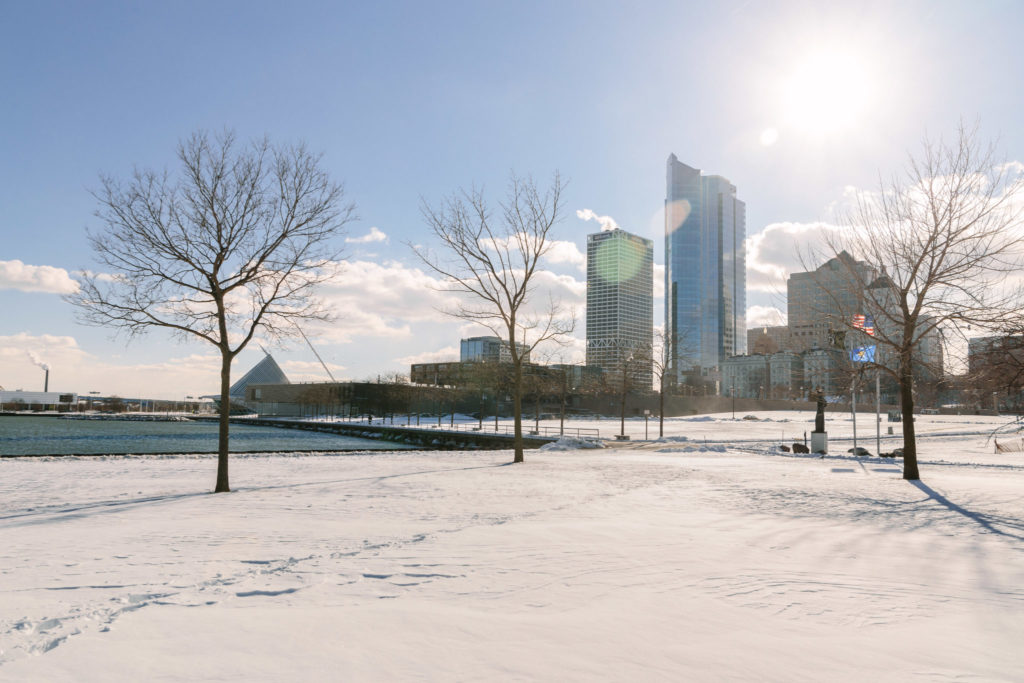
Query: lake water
{"points": [[27, 435]]}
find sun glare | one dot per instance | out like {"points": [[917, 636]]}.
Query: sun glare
{"points": [[826, 93]]}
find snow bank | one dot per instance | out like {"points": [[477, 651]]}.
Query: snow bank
{"points": [[571, 443]]}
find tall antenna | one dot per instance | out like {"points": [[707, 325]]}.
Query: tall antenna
{"points": [[326, 369]]}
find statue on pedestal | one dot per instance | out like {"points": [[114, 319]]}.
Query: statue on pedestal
{"points": [[819, 439], [819, 417]]}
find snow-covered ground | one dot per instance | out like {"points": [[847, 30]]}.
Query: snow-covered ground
{"points": [[709, 558]]}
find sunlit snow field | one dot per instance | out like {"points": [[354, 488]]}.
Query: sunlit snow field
{"points": [[709, 558]]}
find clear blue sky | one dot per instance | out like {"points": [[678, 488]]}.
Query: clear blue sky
{"points": [[793, 102]]}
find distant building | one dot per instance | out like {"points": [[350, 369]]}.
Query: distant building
{"points": [[346, 399], [448, 374], [984, 353], [705, 269], [37, 400], [745, 376], [817, 300], [776, 375], [490, 350], [768, 340], [620, 304], [267, 371], [825, 370], [996, 370], [578, 377]]}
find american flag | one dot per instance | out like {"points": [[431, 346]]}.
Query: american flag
{"points": [[864, 322]]}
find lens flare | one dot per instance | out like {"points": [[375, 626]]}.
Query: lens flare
{"points": [[619, 260], [676, 214]]}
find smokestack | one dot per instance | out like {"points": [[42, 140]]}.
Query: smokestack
{"points": [[46, 384]]}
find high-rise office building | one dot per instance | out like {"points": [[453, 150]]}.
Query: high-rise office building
{"points": [[817, 299], [705, 269], [620, 304]]}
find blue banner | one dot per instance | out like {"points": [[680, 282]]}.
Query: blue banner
{"points": [[863, 354]]}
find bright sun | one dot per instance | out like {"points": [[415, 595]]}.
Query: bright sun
{"points": [[826, 93]]}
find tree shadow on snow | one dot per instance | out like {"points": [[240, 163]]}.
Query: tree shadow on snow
{"points": [[371, 478], [987, 522], [56, 513]]}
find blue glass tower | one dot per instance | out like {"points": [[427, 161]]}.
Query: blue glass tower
{"points": [[705, 270]]}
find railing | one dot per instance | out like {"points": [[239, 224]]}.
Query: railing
{"points": [[468, 427], [464, 427], [507, 430]]}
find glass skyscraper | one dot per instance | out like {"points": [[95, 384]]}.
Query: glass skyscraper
{"points": [[705, 269]]}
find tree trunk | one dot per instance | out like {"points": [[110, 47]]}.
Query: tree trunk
{"points": [[561, 416], [622, 414], [225, 415], [517, 408], [907, 405], [661, 410], [624, 390]]}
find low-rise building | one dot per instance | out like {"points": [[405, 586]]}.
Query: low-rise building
{"points": [[764, 376], [490, 350]]}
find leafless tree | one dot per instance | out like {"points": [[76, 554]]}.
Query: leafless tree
{"points": [[633, 366], [492, 261], [941, 241], [233, 243], [665, 349]]}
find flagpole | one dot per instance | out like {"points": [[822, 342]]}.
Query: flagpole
{"points": [[853, 407], [878, 413]]}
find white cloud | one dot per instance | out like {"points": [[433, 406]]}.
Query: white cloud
{"points": [[571, 350], [72, 369], [659, 280], [375, 235], [764, 316], [446, 355], [27, 278], [310, 371], [781, 249], [564, 288], [561, 251], [607, 222], [373, 299]]}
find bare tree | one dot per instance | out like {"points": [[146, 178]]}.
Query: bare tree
{"points": [[235, 242], [492, 260], [633, 364], [665, 349], [943, 237]]}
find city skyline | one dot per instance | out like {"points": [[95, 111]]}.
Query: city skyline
{"points": [[816, 101]]}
